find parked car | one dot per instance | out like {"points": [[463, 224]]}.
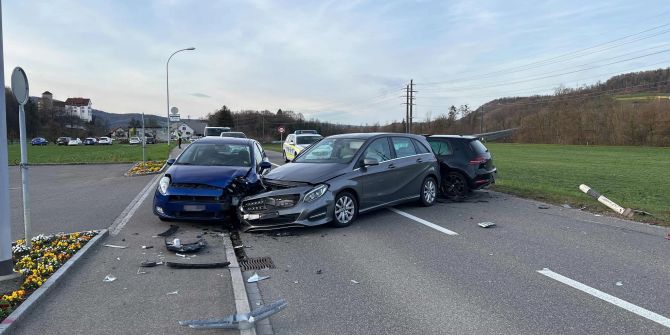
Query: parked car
{"points": [[39, 141], [134, 140], [74, 141], [105, 140], [237, 134], [208, 179], [63, 141], [215, 131], [295, 143], [90, 141], [465, 164], [150, 140], [341, 176]]}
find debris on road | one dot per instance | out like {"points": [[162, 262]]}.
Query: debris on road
{"points": [[486, 224], [238, 321], [147, 246], [318, 272], [543, 207], [619, 283], [256, 278], [627, 212], [140, 272], [180, 255], [173, 293], [178, 245], [150, 264], [197, 266], [355, 282], [667, 237], [109, 278], [116, 246], [640, 212], [566, 206], [173, 229]]}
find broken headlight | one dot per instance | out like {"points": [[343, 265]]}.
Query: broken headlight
{"points": [[316, 192], [163, 185]]}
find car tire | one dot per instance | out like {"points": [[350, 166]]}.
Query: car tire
{"points": [[346, 209], [455, 186], [286, 160], [428, 191]]}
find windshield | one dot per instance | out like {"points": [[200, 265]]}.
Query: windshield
{"points": [[331, 150], [230, 134], [307, 139], [210, 154], [216, 131]]}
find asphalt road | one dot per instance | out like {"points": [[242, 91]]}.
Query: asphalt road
{"points": [[68, 198], [390, 273]]}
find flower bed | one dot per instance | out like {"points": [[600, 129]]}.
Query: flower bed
{"points": [[37, 264], [141, 169]]}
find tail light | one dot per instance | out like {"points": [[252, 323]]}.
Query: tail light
{"points": [[478, 160]]}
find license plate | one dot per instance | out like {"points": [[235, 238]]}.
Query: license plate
{"points": [[252, 216], [194, 208]]}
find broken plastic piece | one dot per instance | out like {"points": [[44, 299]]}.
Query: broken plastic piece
{"points": [[116, 246], [181, 246], [566, 206], [109, 278], [256, 278], [238, 321], [140, 272], [147, 246], [180, 255], [150, 264], [543, 207], [619, 283], [486, 224], [197, 266], [355, 282], [173, 293], [173, 229]]}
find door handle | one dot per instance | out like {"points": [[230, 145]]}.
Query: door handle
{"points": [[391, 166], [419, 160]]}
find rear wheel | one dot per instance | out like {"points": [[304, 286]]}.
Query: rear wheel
{"points": [[283, 152], [455, 186], [428, 191], [346, 209]]}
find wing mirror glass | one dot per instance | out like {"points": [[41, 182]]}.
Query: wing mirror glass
{"points": [[265, 165], [370, 162]]}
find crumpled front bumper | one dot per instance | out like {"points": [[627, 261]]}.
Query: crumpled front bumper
{"points": [[262, 212]]}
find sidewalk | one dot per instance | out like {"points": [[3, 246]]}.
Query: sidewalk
{"points": [[150, 303]]}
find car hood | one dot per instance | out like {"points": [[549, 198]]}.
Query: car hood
{"points": [[219, 176], [312, 173]]}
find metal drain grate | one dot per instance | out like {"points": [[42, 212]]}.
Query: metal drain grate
{"points": [[257, 263]]}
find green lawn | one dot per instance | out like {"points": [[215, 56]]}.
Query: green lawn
{"points": [[635, 177], [272, 147], [117, 153]]}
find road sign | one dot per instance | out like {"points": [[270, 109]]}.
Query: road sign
{"points": [[281, 130], [175, 118], [20, 91], [20, 85], [174, 111]]}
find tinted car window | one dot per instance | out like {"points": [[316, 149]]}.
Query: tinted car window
{"points": [[403, 146], [478, 147], [331, 150], [441, 147], [307, 139], [258, 155], [420, 148], [379, 149]]}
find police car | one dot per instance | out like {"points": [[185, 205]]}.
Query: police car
{"points": [[298, 141]]}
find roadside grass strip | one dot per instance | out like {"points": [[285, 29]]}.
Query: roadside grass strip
{"points": [[143, 169], [645, 313], [46, 255]]}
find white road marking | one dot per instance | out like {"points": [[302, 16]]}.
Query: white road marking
{"points": [[645, 313], [424, 222], [132, 207], [275, 164]]}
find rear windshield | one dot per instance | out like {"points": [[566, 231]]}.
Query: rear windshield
{"points": [[478, 147], [307, 139], [216, 131]]}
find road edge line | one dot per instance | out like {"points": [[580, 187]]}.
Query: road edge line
{"points": [[423, 222], [640, 311], [18, 314], [239, 290], [129, 211]]}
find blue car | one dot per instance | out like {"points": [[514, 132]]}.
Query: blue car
{"points": [[39, 141], [208, 179]]}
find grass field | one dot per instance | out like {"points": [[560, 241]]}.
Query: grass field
{"points": [[272, 147], [117, 153], [635, 177]]}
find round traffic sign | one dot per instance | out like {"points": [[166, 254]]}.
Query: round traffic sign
{"points": [[174, 110], [20, 85], [280, 130]]}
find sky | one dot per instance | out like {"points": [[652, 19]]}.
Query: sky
{"points": [[340, 61]]}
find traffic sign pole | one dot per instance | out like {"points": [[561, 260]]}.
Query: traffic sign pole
{"points": [[21, 93]]}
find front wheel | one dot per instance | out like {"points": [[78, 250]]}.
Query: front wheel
{"points": [[428, 191], [346, 209]]}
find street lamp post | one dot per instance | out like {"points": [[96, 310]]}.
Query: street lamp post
{"points": [[167, 90]]}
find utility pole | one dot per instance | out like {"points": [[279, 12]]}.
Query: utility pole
{"points": [[407, 109], [411, 104]]}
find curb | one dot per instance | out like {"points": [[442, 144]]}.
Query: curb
{"points": [[239, 290], [263, 327], [18, 314]]}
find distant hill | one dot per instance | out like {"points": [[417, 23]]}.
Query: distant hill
{"points": [[122, 120]]}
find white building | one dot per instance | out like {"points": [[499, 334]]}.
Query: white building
{"points": [[80, 107]]}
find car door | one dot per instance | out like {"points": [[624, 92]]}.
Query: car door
{"points": [[376, 181], [408, 182]]}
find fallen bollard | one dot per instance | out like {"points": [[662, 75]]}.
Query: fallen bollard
{"points": [[627, 212], [238, 321]]}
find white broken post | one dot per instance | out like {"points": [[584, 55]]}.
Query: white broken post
{"points": [[627, 212], [21, 93]]}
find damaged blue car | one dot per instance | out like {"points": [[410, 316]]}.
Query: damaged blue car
{"points": [[208, 179]]}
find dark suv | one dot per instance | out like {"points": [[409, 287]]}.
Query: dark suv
{"points": [[63, 141], [465, 164]]}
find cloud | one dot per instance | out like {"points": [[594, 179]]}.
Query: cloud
{"points": [[200, 95]]}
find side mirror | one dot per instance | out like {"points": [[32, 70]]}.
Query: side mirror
{"points": [[370, 162], [170, 161], [265, 165]]}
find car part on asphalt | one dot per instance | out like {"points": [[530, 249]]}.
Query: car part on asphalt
{"points": [[354, 282], [150, 264], [256, 278], [177, 245], [216, 265], [486, 224], [147, 246], [173, 293], [116, 246], [543, 207], [109, 278], [173, 229], [627, 212], [257, 263], [238, 321]]}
